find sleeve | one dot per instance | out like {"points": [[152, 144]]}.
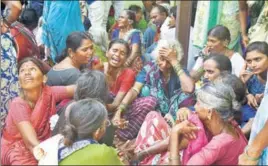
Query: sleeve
{"points": [[115, 34], [136, 39], [19, 111], [111, 157], [128, 81], [238, 64], [60, 93], [141, 76], [208, 154]]}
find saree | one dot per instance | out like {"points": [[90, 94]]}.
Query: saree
{"points": [[60, 18], [9, 74], [13, 149], [212, 13]]}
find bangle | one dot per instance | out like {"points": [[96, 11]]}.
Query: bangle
{"points": [[136, 90], [249, 157], [122, 107]]}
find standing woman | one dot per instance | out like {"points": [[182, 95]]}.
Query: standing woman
{"points": [[60, 18], [120, 79], [27, 123], [9, 76], [133, 36]]}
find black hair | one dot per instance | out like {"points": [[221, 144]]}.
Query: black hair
{"points": [[173, 11], [223, 62], [36, 61], [161, 9], [120, 41], [29, 18], [134, 8], [131, 16], [220, 32], [74, 41], [261, 47]]}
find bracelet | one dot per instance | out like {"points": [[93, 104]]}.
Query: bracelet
{"points": [[249, 157], [136, 90], [122, 107], [174, 158], [178, 69]]}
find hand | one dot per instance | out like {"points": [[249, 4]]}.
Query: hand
{"points": [[137, 158], [245, 74], [259, 97], [243, 160], [206, 50], [183, 114], [252, 101], [169, 54], [128, 63], [38, 153], [118, 121], [245, 40], [169, 119], [186, 128]]}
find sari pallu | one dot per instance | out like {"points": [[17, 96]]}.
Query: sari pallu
{"points": [[13, 149]]}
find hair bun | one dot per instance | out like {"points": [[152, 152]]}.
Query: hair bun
{"points": [[70, 134]]}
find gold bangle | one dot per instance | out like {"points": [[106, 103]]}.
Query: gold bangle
{"points": [[174, 158], [122, 107]]}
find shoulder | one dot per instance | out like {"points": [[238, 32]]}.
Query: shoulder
{"points": [[222, 140], [18, 102]]}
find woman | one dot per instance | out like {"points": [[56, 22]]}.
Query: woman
{"points": [[120, 79], [153, 138], [78, 144], [257, 12], [163, 84], [218, 40], [78, 52], [9, 76], [126, 32], [27, 122], [254, 75], [58, 14], [212, 13], [215, 106]]}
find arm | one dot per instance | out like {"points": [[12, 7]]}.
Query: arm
{"points": [[243, 9], [28, 134], [119, 97], [70, 90], [135, 52], [132, 93]]}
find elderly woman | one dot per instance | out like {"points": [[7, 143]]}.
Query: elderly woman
{"points": [[159, 86], [217, 42], [78, 52], [225, 141], [27, 122], [78, 144], [120, 79], [152, 145], [254, 75], [134, 37]]}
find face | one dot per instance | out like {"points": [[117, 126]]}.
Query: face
{"points": [[138, 16], [211, 70], [172, 22], [147, 4], [156, 17], [163, 64], [215, 45], [30, 76], [257, 62], [123, 20], [117, 55], [84, 53]]}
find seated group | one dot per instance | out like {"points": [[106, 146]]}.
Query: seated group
{"points": [[164, 109]]}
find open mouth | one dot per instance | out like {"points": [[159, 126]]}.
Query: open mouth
{"points": [[115, 60], [28, 79]]}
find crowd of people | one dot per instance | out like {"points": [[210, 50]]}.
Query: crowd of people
{"points": [[94, 83]]}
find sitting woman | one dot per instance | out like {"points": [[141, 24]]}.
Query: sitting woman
{"points": [[161, 86], [27, 123], [78, 52], [126, 32], [217, 42], [215, 107], [78, 144], [120, 79], [254, 75], [152, 144]]}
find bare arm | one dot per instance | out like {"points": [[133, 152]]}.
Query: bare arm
{"points": [[135, 52], [70, 90], [28, 134], [243, 13], [13, 9], [119, 97], [132, 93]]}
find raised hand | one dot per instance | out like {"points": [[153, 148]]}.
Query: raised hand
{"points": [[245, 74]]}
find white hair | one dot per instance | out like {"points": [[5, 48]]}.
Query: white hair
{"points": [[172, 43]]}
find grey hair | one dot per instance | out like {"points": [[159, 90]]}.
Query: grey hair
{"points": [[172, 43], [219, 97], [91, 84], [84, 118]]}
